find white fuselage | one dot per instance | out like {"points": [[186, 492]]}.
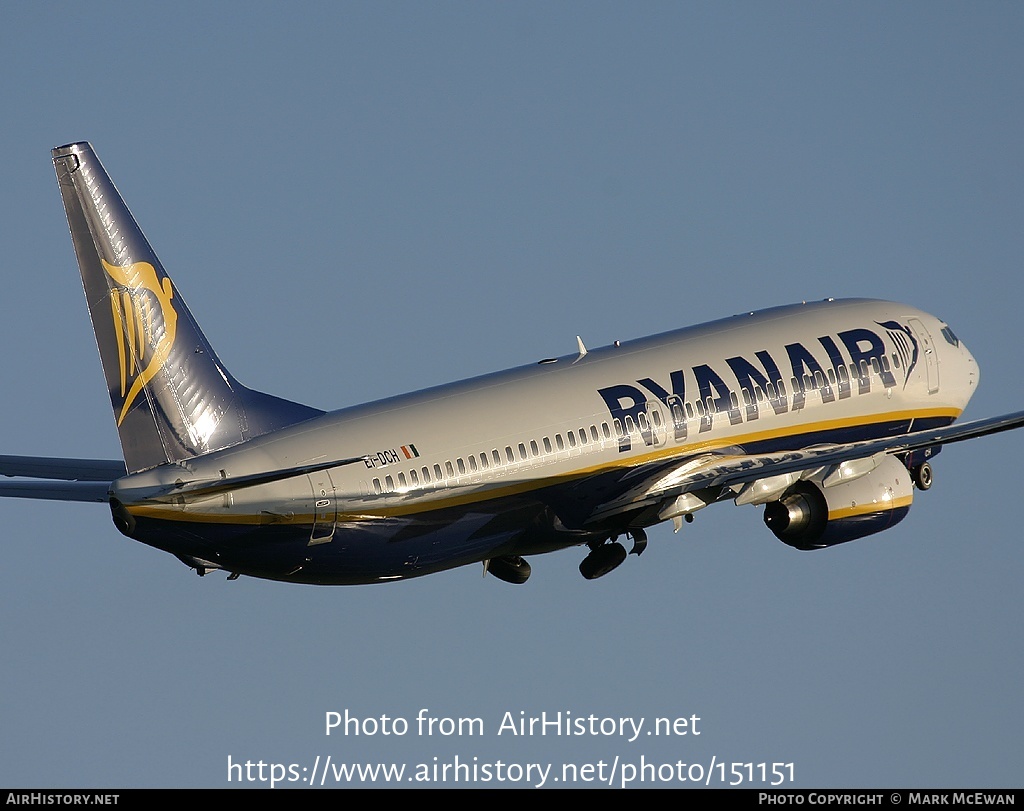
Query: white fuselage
{"points": [[456, 456]]}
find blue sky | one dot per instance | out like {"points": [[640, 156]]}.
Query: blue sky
{"points": [[358, 199]]}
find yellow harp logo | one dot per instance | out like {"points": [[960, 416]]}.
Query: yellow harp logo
{"points": [[144, 326]]}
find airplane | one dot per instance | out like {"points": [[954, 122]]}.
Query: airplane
{"points": [[827, 414]]}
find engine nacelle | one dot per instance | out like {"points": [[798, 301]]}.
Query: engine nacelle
{"points": [[811, 516]]}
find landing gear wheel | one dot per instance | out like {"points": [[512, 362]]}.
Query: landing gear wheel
{"points": [[922, 476], [602, 560], [510, 568]]}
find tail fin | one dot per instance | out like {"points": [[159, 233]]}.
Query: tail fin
{"points": [[172, 397]]}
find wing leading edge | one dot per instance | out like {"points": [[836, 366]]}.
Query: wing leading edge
{"points": [[741, 473]]}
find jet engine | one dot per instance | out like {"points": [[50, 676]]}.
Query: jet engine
{"points": [[812, 515]]}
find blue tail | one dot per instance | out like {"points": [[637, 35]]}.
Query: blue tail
{"points": [[172, 397]]}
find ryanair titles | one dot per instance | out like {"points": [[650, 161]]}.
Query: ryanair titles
{"points": [[752, 384]]}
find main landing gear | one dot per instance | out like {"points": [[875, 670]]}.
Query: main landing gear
{"points": [[510, 568], [922, 476], [604, 557]]}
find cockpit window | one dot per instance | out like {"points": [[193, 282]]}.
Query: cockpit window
{"points": [[950, 337]]}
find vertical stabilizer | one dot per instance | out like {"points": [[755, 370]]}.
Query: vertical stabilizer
{"points": [[172, 397]]}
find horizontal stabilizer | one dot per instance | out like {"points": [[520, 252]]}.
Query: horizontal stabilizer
{"points": [[57, 479], [92, 491], [52, 467]]}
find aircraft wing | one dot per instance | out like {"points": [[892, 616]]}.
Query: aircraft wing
{"points": [[760, 477], [59, 479]]}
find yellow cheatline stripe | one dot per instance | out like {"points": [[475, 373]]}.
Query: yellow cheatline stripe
{"points": [[165, 514], [869, 507], [494, 490]]}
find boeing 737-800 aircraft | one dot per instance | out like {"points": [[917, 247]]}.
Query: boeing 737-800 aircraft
{"points": [[827, 414]]}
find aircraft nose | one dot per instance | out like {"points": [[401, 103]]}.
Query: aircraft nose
{"points": [[970, 374], [974, 373]]}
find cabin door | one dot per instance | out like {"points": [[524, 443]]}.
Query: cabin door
{"points": [[325, 507], [931, 364]]}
